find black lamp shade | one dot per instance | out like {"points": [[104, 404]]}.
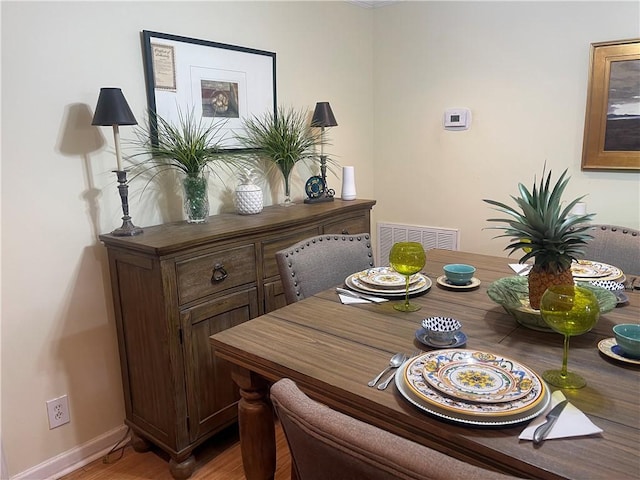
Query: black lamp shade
{"points": [[112, 109], [323, 116]]}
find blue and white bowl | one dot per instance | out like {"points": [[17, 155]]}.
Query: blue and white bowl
{"points": [[441, 330], [608, 285]]}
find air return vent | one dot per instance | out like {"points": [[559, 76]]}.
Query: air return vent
{"points": [[429, 237]]}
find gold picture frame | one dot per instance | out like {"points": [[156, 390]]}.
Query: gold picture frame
{"points": [[612, 123]]}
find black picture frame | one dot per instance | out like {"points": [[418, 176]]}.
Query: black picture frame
{"points": [[214, 80]]}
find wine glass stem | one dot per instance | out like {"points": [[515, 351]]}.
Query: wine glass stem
{"points": [[565, 357], [406, 296]]}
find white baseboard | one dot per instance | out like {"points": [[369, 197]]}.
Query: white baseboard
{"points": [[75, 458]]}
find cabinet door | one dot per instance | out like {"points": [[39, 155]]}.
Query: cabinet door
{"points": [[211, 394]]}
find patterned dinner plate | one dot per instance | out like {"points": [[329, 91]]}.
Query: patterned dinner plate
{"points": [[469, 417], [414, 379], [424, 283], [385, 277], [477, 377], [589, 269]]}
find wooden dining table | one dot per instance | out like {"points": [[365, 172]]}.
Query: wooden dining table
{"points": [[331, 350]]}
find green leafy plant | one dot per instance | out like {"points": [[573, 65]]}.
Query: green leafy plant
{"points": [[190, 146], [545, 231], [284, 138]]}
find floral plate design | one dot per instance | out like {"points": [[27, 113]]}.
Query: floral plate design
{"points": [[385, 278], [477, 377], [414, 379], [589, 269], [422, 285], [469, 418]]}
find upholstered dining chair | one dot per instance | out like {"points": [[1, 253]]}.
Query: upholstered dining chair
{"points": [[328, 445], [322, 262], [615, 245]]}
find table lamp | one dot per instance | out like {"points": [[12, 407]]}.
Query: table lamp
{"points": [[112, 110], [323, 117]]}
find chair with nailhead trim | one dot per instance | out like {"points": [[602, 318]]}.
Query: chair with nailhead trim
{"points": [[615, 245], [322, 262]]}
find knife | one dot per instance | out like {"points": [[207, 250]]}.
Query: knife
{"points": [[351, 293], [541, 432]]}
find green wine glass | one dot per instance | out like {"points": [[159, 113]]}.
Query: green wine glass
{"points": [[570, 310], [407, 258]]}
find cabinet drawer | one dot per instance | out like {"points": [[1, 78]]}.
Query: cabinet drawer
{"points": [[214, 272], [270, 247], [349, 225]]}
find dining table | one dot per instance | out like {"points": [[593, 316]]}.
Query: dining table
{"points": [[331, 350]]}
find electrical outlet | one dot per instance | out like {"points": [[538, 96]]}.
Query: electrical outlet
{"points": [[58, 411]]}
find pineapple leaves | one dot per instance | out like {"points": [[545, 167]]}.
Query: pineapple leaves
{"points": [[541, 226]]}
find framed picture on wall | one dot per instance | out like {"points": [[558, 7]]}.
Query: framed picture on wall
{"points": [[612, 124], [219, 83]]}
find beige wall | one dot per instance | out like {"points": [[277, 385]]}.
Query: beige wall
{"points": [[521, 67], [389, 74], [58, 192]]}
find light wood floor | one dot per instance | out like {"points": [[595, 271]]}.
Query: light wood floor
{"points": [[217, 459]]}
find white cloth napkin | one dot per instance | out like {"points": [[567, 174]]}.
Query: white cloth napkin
{"points": [[348, 299], [571, 423], [521, 268]]}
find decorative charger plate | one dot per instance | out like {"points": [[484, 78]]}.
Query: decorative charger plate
{"points": [[422, 285], [469, 416], [589, 269], [476, 376], [414, 379], [385, 278], [513, 294]]}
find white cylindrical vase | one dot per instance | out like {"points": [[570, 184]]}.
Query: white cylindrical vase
{"points": [[348, 183]]}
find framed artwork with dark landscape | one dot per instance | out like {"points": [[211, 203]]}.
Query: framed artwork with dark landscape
{"points": [[612, 124], [219, 83]]}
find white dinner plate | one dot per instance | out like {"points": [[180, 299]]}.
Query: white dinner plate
{"points": [[422, 285]]}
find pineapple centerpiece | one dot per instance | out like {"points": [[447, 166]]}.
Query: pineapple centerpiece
{"points": [[545, 232]]}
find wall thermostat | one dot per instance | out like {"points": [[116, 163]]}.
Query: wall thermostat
{"points": [[457, 119]]}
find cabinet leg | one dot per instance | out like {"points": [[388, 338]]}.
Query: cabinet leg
{"points": [[255, 421], [139, 444], [182, 470]]}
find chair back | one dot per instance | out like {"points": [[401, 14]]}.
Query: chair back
{"points": [[322, 262], [328, 445], [618, 246]]}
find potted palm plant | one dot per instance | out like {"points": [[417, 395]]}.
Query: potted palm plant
{"points": [[546, 232], [283, 138], [190, 146]]}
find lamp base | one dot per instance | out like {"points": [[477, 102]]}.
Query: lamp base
{"points": [[128, 229], [324, 198]]}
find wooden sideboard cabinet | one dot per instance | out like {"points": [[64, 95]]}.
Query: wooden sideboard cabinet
{"points": [[177, 284]]}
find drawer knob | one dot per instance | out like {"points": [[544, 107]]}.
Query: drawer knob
{"points": [[219, 273]]}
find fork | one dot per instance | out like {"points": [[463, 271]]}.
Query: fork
{"points": [[387, 381]]}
